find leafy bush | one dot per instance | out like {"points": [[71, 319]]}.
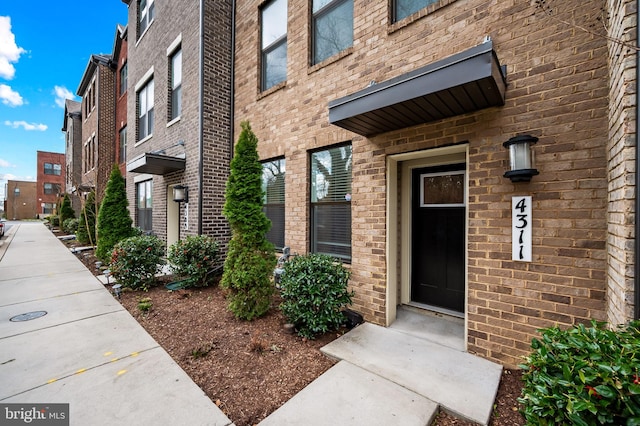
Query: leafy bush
{"points": [[194, 257], [314, 291], [583, 376], [136, 260], [70, 225], [54, 221]]}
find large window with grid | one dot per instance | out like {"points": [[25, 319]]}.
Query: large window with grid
{"points": [[146, 13], [274, 43], [331, 202], [404, 8], [144, 205], [332, 28], [273, 187], [145, 110], [175, 85]]}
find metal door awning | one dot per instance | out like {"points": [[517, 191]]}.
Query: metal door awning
{"points": [[155, 164], [465, 82]]}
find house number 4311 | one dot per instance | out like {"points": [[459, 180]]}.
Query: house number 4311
{"points": [[521, 228]]}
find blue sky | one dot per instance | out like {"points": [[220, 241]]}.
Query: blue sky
{"points": [[45, 46]]}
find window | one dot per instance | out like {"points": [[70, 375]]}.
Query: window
{"points": [[52, 169], [123, 79], [175, 107], [51, 188], [48, 208], [274, 43], [146, 11], [273, 187], [404, 8], [332, 27], [331, 202], [144, 206], [123, 144], [145, 111]]}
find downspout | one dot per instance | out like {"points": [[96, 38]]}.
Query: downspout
{"points": [[201, 121], [636, 275]]}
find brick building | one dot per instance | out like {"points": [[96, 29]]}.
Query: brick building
{"points": [[21, 200], [51, 181], [72, 129], [179, 107], [120, 59], [382, 127], [98, 93]]}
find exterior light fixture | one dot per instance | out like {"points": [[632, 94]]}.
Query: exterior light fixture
{"points": [[521, 158], [117, 290], [181, 194]]}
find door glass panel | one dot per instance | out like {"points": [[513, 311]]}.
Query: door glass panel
{"points": [[442, 189]]}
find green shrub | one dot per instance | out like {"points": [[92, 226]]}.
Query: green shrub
{"points": [[583, 376], [136, 260], [314, 291], [193, 257], [54, 221], [249, 265], [70, 226], [114, 221]]}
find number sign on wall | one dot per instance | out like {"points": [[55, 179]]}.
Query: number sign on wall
{"points": [[521, 229]]}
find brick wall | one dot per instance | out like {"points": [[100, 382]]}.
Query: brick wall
{"points": [[621, 151], [121, 99], [22, 206], [557, 90], [105, 120]]}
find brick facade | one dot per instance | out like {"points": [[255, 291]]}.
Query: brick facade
{"points": [[21, 200], [54, 177], [120, 61], [557, 90], [201, 134]]}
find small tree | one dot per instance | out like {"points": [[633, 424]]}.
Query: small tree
{"points": [[66, 211], [250, 260], [114, 221], [86, 232]]}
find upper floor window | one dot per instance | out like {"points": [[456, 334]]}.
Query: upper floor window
{"points": [[331, 202], [52, 169], [123, 144], [404, 8], [145, 110], [146, 11], [175, 107], [274, 43], [123, 79], [332, 28], [51, 188], [273, 187]]}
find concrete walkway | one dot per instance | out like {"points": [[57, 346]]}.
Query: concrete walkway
{"points": [[87, 350]]}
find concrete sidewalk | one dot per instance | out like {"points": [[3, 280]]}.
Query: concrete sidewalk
{"points": [[86, 349]]}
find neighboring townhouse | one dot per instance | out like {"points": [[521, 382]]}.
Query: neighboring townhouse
{"points": [[466, 158], [51, 180], [179, 115], [120, 60], [72, 128], [21, 200], [98, 92]]}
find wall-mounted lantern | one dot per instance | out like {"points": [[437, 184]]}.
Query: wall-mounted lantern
{"points": [[521, 158], [181, 194]]}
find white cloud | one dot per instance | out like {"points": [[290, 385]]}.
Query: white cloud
{"points": [[10, 97], [26, 126], [9, 50], [62, 94], [4, 163]]}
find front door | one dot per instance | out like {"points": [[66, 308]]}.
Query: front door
{"points": [[438, 236]]}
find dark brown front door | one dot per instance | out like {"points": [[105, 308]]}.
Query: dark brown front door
{"points": [[438, 236]]}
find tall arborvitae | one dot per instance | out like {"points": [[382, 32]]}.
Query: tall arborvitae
{"points": [[114, 221], [249, 265]]}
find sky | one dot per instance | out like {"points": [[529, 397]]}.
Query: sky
{"points": [[45, 46]]}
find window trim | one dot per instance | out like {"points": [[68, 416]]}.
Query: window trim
{"points": [[172, 88], [324, 11], [273, 46]]}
